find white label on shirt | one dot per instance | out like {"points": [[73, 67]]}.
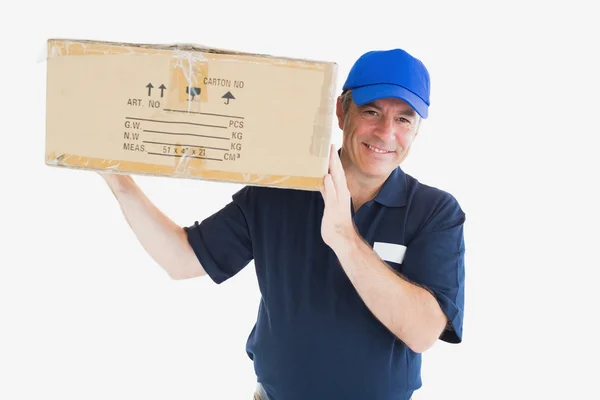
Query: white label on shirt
{"points": [[390, 251]]}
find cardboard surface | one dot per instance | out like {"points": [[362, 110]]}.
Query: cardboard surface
{"points": [[189, 112]]}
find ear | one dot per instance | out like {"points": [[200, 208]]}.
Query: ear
{"points": [[339, 111]]}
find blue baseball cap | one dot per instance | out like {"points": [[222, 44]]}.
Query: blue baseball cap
{"points": [[390, 73]]}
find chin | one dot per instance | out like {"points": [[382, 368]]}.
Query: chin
{"points": [[377, 170]]}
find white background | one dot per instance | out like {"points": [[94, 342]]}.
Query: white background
{"points": [[86, 314]]}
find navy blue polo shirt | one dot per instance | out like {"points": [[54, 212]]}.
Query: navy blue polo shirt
{"points": [[314, 337]]}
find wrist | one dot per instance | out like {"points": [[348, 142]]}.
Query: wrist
{"points": [[118, 182], [345, 240]]}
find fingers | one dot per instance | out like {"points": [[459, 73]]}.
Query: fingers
{"points": [[329, 195], [337, 171], [332, 154]]}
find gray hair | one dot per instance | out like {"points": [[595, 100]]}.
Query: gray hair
{"points": [[346, 100]]}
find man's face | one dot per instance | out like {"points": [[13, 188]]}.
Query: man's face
{"points": [[377, 136]]}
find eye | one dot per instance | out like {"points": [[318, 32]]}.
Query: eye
{"points": [[370, 112], [403, 120]]}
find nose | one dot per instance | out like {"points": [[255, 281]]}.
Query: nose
{"points": [[385, 129]]}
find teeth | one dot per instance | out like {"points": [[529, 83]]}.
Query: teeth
{"points": [[378, 150]]}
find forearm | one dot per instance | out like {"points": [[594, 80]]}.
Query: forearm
{"points": [[407, 310], [165, 241]]}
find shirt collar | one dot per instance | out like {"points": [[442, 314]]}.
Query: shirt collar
{"points": [[393, 191]]}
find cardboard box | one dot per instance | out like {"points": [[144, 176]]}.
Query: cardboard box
{"points": [[188, 111]]}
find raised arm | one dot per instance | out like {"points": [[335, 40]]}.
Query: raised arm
{"points": [[165, 241]]}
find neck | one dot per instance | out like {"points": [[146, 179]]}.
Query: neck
{"points": [[362, 188]]}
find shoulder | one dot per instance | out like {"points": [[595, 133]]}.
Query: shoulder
{"points": [[261, 197], [433, 205], [265, 207]]}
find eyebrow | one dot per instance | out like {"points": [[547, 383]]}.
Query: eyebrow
{"points": [[408, 112]]}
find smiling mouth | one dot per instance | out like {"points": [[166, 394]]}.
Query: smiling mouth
{"points": [[377, 150]]}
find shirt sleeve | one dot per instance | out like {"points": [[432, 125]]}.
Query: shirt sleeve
{"points": [[434, 259], [222, 242]]}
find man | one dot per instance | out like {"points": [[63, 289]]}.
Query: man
{"points": [[357, 280]]}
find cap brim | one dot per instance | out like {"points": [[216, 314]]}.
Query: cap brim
{"points": [[365, 94]]}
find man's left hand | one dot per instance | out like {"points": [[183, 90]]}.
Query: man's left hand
{"points": [[337, 225]]}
